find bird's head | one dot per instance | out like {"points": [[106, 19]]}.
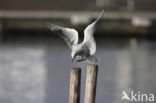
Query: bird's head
{"points": [[73, 55]]}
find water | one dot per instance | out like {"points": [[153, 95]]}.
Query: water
{"points": [[37, 71]]}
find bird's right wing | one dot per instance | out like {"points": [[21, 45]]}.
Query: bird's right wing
{"points": [[68, 34], [89, 34]]}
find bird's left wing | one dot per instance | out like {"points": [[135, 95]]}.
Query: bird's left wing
{"points": [[68, 34], [88, 34]]}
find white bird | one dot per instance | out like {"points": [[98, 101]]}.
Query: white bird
{"points": [[83, 51], [125, 96]]}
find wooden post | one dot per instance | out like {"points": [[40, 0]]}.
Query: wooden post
{"points": [[91, 79], [75, 78]]}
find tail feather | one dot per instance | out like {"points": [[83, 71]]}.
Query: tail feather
{"points": [[93, 59]]}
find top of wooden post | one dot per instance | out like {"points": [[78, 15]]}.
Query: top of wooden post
{"points": [[92, 66], [75, 69]]}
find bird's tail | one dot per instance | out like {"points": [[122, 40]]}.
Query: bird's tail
{"points": [[93, 59]]}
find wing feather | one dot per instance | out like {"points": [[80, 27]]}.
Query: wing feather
{"points": [[68, 34], [88, 35]]}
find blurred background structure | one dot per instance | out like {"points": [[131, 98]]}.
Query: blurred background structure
{"points": [[35, 63], [129, 16]]}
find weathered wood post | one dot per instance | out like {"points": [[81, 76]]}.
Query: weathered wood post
{"points": [[75, 78], [91, 79]]}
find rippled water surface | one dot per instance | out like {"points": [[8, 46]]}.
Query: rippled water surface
{"points": [[38, 71]]}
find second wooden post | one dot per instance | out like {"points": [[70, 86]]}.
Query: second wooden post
{"points": [[91, 79]]}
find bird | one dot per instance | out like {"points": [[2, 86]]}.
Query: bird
{"points": [[84, 51], [125, 96]]}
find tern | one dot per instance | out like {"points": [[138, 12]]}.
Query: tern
{"points": [[84, 51]]}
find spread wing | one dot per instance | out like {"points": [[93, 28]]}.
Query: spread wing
{"points": [[88, 34], [68, 34]]}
